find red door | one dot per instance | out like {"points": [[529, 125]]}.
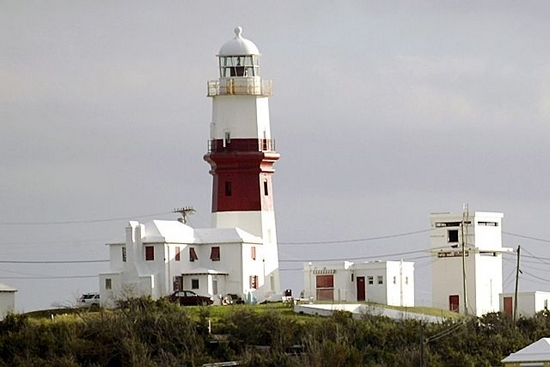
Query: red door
{"points": [[360, 288], [454, 303], [508, 306]]}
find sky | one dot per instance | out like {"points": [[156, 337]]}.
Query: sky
{"points": [[383, 112]]}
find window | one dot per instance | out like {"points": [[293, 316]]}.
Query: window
{"points": [[227, 188], [394, 280], [489, 224], [266, 191], [123, 253], [406, 280], [380, 279], [108, 283], [192, 254], [215, 253], [177, 256], [452, 235], [149, 253], [194, 284], [370, 280], [253, 282], [253, 252]]}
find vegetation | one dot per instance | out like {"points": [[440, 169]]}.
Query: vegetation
{"points": [[157, 333]]}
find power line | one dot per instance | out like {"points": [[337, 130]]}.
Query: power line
{"points": [[51, 261], [54, 277], [357, 239], [526, 237], [79, 221], [358, 258]]}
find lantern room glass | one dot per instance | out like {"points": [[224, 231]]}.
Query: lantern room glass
{"points": [[237, 66]]}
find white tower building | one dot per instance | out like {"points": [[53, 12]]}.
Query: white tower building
{"points": [[241, 151], [467, 261]]}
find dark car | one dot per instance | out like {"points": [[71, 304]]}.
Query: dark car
{"points": [[189, 298]]}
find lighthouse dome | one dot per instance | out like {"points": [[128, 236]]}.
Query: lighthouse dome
{"points": [[238, 46]]}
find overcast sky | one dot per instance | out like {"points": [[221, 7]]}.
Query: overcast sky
{"points": [[383, 112]]}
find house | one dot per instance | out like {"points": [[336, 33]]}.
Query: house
{"points": [[533, 355], [466, 253], [384, 282], [160, 257], [528, 303], [7, 300]]}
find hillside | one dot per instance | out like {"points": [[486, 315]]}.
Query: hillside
{"points": [[149, 333]]}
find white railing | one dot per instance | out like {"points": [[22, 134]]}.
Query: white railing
{"points": [[253, 86]]}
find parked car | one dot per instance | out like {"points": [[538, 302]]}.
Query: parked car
{"points": [[189, 298], [89, 300]]}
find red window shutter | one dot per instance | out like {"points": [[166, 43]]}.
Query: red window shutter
{"points": [[192, 254], [253, 282], [149, 253], [215, 254], [253, 252], [177, 257]]}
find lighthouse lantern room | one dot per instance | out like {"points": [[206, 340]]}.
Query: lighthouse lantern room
{"points": [[241, 152]]}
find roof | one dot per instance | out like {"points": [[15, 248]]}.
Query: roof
{"points": [[6, 288], [537, 352], [171, 231], [238, 46], [225, 235], [204, 271]]}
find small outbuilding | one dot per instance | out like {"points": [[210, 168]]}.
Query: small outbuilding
{"points": [[7, 300], [533, 355], [384, 282], [528, 303]]}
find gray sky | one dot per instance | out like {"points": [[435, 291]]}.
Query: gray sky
{"points": [[382, 111]]}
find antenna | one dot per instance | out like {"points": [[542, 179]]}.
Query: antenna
{"points": [[185, 212]]}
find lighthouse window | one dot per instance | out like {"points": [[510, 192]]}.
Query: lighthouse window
{"points": [[266, 191], [227, 188]]}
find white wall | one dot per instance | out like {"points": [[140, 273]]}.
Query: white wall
{"points": [[7, 303], [529, 303]]}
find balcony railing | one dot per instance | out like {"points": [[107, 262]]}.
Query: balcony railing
{"points": [[241, 145], [254, 86]]}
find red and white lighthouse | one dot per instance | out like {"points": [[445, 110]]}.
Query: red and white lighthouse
{"points": [[242, 153]]}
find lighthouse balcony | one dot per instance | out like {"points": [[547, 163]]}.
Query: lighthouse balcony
{"points": [[252, 86], [241, 145]]}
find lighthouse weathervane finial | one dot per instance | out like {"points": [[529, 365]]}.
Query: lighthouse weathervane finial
{"points": [[238, 32]]}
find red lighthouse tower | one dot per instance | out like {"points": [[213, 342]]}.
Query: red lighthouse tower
{"points": [[241, 152]]}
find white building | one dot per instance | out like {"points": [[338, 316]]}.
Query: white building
{"points": [[7, 300], [384, 282], [467, 254], [239, 254], [528, 304], [536, 354]]}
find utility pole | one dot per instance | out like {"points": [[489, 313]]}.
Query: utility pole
{"points": [[516, 290], [421, 345], [465, 215], [185, 212]]}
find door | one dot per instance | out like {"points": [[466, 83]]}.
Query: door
{"points": [[454, 303], [508, 306], [360, 288]]}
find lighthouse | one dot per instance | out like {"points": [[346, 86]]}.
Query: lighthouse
{"points": [[241, 152]]}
